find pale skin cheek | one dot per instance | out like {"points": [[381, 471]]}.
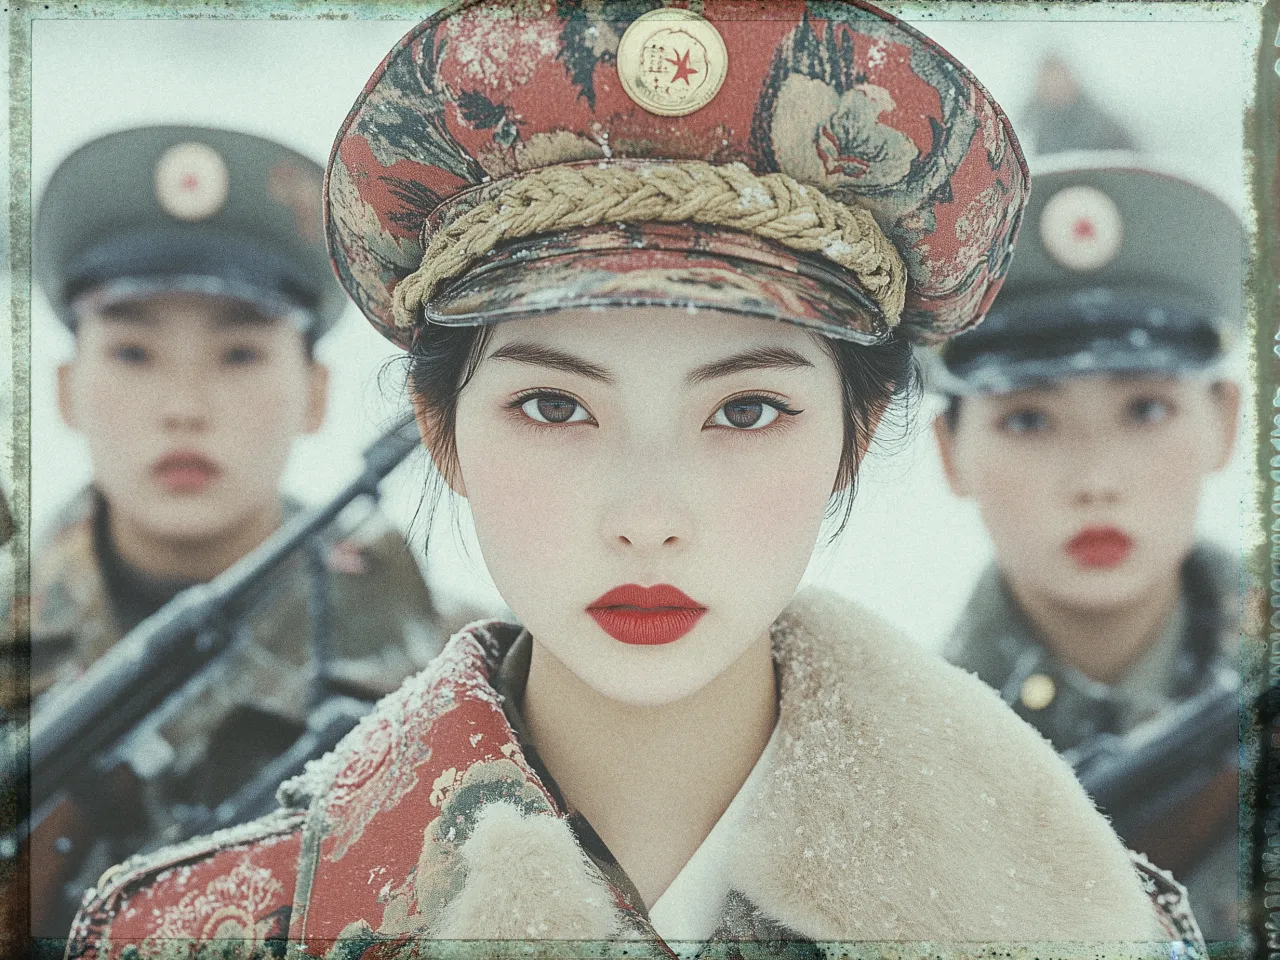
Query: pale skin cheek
{"points": [[774, 515], [269, 419], [114, 416], [1167, 496], [524, 520], [522, 517]]}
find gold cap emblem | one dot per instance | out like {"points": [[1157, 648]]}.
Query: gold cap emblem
{"points": [[672, 62]]}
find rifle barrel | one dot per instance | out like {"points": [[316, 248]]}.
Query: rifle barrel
{"points": [[1132, 776], [167, 648]]}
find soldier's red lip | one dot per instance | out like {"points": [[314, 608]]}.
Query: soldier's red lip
{"points": [[646, 616], [185, 471], [1100, 547]]}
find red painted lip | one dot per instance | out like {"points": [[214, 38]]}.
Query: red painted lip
{"points": [[1100, 547], [646, 616], [185, 471]]}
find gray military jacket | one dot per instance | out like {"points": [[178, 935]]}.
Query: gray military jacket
{"points": [[994, 639]]}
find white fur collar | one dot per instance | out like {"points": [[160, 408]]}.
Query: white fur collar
{"points": [[906, 802]]}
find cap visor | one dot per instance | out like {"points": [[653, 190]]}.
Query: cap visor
{"points": [[123, 289], [148, 261], [675, 266], [1135, 352]]}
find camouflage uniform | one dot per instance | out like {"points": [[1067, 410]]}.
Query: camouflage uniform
{"points": [[994, 640], [383, 622], [381, 626]]}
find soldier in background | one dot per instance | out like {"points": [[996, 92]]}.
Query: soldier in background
{"points": [[191, 266], [1083, 416], [1062, 117]]}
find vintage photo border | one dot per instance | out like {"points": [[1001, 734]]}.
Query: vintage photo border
{"points": [[1260, 652]]}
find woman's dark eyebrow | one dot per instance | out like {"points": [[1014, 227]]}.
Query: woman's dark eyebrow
{"points": [[762, 358], [532, 353]]}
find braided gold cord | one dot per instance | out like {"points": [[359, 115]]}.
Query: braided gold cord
{"points": [[772, 205]]}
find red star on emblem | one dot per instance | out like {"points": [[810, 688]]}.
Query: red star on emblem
{"points": [[683, 70], [190, 182], [1083, 229]]}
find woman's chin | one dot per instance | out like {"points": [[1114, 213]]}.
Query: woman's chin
{"points": [[646, 675], [642, 687]]}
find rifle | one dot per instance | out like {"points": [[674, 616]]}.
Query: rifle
{"points": [[326, 725], [91, 725], [1168, 785]]}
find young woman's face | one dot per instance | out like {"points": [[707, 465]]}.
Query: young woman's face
{"points": [[647, 447], [1089, 488], [189, 404]]}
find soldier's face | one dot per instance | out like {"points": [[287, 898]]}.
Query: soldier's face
{"points": [[189, 404], [645, 447], [1090, 487]]}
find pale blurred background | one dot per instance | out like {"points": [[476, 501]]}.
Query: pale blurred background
{"points": [[911, 550]]}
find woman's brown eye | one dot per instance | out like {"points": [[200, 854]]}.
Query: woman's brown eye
{"points": [[746, 414], [557, 411], [551, 409]]}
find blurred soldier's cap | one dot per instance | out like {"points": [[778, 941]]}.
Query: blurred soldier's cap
{"points": [[1120, 269], [814, 162], [191, 209], [1062, 118]]}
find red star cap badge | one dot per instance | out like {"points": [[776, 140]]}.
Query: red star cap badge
{"points": [[1084, 229], [683, 70]]}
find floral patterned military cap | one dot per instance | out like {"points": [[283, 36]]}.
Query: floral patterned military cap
{"points": [[491, 99]]}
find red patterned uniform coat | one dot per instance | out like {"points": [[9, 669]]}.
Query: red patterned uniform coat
{"points": [[905, 803]]}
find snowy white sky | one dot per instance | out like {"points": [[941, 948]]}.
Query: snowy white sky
{"points": [[912, 551]]}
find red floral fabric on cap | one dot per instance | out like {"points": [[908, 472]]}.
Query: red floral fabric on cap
{"points": [[838, 95]]}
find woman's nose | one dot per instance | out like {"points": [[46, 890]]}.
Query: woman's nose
{"points": [[641, 538], [649, 509], [649, 523]]}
